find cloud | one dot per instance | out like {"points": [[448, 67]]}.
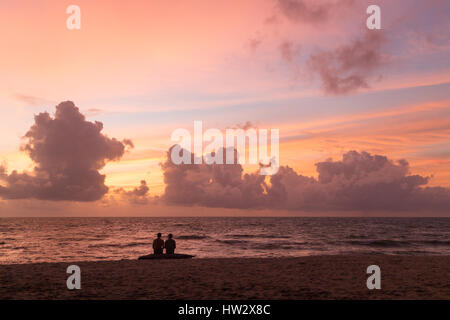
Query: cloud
{"points": [[307, 11], [30, 100], [287, 51], [342, 69], [93, 112], [214, 185], [139, 195], [349, 67], [360, 181], [247, 125], [68, 153], [427, 42], [255, 43]]}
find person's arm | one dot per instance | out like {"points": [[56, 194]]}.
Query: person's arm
{"points": [[174, 244]]}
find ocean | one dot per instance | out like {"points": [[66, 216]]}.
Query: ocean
{"points": [[28, 240]]}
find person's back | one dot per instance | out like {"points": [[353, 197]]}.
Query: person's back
{"points": [[158, 245], [170, 245]]}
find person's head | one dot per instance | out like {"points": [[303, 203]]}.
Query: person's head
{"points": [[159, 235], [170, 236]]}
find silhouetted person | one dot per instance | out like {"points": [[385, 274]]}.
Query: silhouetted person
{"points": [[158, 245], [170, 245]]}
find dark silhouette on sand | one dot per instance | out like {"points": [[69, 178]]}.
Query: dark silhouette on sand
{"points": [[170, 245], [158, 248], [158, 245]]}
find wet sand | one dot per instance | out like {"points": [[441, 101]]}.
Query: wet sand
{"points": [[314, 277]]}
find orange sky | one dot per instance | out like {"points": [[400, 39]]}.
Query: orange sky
{"points": [[145, 68]]}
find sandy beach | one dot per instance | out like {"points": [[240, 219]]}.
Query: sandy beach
{"points": [[314, 277]]}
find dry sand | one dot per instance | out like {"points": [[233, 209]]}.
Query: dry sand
{"points": [[314, 277]]}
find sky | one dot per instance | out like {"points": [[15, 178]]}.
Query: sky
{"points": [[363, 115]]}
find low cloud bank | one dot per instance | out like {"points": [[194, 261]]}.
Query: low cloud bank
{"points": [[359, 181]]}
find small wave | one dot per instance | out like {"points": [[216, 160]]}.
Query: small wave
{"points": [[356, 236], [412, 252], [380, 243], [244, 236], [19, 248], [74, 239], [279, 245], [272, 246], [192, 237], [261, 236], [118, 245], [231, 242], [436, 242], [398, 243]]}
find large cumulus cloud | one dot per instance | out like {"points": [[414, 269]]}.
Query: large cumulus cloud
{"points": [[360, 181], [68, 153], [212, 185]]}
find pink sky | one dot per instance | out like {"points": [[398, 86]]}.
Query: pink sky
{"points": [[145, 68]]}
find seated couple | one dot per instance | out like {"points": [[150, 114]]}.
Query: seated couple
{"points": [[159, 245]]}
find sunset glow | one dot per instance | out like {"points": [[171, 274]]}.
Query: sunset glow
{"points": [[326, 82]]}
